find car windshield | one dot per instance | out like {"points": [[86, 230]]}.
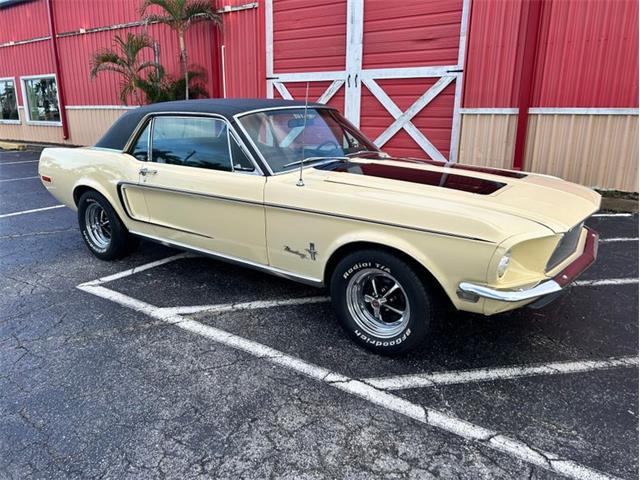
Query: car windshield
{"points": [[285, 138]]}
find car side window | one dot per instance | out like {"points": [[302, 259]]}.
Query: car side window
{"points": [[191, 142], [140, 149], [240, 160]]}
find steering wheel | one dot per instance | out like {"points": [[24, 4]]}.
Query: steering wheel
{"points": [[330, 143]]}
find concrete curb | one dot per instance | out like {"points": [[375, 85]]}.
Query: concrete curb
{"points": [[12, 146], [621, 205]]}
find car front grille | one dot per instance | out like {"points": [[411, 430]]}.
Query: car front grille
{"points": [[566, 247]]}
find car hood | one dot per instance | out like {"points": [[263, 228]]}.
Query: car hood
{"points": [[548, 201]]}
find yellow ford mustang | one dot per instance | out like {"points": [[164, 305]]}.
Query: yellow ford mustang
{"points": [[299, 192]]}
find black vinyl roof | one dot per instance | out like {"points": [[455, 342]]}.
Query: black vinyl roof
{"points": [[117, 136]]}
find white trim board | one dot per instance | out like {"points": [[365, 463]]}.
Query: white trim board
{"points": [[101, 107], [551, 111]]}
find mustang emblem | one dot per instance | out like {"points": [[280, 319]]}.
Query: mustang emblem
{"points": [[313, 253]]}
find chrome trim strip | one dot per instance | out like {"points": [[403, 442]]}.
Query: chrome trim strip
{"points": [[127, 209], [544, 288], [375, 222], [235, 260], [304, 210], [189, 192]]}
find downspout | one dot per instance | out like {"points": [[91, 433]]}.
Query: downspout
{"points": [[58, 71], [530, 47], [215, 61]]}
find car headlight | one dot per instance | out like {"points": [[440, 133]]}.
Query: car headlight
{"points": [[503, 264]]}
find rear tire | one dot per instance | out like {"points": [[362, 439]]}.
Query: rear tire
{"points": [[102, 230], [382, 302]]}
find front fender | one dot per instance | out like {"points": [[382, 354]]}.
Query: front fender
{"points": [[448, 259]]}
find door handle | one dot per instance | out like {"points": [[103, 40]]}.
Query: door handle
{"points": [[144, 171]]}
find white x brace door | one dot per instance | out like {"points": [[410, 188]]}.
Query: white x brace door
{"points": [[348, 80]]}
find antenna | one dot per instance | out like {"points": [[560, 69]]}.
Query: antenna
{"points": [[300, 182]]}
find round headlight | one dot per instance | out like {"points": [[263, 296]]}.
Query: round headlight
{"points": [[503, 264]]}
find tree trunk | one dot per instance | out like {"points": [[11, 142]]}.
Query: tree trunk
{"points": [[183, 62]]}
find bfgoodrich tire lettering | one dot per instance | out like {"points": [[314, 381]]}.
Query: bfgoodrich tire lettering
{"points": [[381, 301], [101, 228]]}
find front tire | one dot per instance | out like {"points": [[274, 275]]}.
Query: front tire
{"points": [[102, 230], [382, 302]]}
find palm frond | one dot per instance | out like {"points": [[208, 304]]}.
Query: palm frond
{"points": [[169, 6], [200, 11]]}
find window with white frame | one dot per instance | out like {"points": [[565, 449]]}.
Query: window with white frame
{"points": [[8, 101], [41, 99]]}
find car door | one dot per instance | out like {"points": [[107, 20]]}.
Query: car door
{"points": [[201, 188]]}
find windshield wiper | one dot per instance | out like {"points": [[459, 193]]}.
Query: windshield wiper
{"points": [[313, 159], [359, 152]]}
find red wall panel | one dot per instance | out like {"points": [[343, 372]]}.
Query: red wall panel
{"points": [[491, 70], [420, 33], [309, 35], [76, 50], [242, 37], [26, 59], [588, 54], [23, 21]]}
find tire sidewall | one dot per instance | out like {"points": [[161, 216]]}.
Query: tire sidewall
{"points": [[420, 312], [118, 232]]}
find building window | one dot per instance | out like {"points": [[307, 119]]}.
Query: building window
{"points": [[41, 99], [8, 101]]}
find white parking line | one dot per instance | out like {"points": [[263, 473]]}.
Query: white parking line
{"points": [[612, 215], [131, 271], [22, 161], [426, 415], [5, 215], [16, 179], [608, 281], [420, 380], [221, 307], [618, 239]]}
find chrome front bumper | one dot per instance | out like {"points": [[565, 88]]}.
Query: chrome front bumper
{"points": [[473, 292]]}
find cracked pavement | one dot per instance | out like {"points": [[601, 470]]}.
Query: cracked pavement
{"points": [[91, 389]]}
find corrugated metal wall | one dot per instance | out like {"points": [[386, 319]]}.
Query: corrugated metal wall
{"points": [[586, 56], [76, 50], [242, 36], [490, 74]]}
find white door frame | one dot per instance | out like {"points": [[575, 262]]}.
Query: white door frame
{"points": [[354, 76]]}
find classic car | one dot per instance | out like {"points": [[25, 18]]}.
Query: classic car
{"points": [[295, 190]]}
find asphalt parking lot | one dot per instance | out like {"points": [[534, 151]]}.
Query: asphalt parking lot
{"points": [[166, 365]]}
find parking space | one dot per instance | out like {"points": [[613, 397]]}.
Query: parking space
{"points": [[166, 365]]}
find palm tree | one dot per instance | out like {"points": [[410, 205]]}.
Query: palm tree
{"points": [[180, 15], [124, 61]]}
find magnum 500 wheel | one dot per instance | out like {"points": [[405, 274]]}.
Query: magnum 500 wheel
{"points": [[381, 301], [102, 230]]}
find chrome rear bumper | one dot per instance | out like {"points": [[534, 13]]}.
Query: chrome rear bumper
{"points": [[473, 292]]}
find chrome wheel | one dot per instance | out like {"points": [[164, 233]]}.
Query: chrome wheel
{"points": [[97, 226], [378, 303]]}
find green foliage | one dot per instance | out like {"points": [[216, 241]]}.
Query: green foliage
{"points": [[124, 60], [179, 15], [160, 87]]}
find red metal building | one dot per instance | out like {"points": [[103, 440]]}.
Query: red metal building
{"points": [[550, 86]]}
